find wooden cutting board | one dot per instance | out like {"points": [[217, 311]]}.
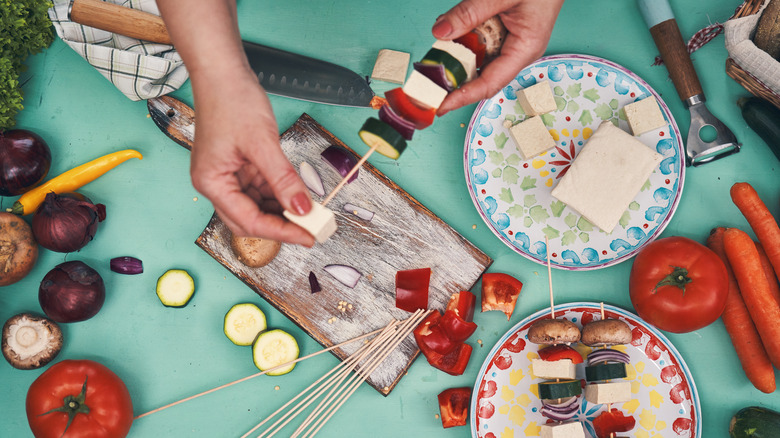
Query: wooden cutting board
{"points": [[402, 235]]}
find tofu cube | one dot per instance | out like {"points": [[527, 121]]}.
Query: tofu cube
{"points": [[553, 369], [423, 90], [644, 116], [537, 99], [320, 222], [571, 429], [606, 176], [391, 66], [531, 137], [463, 54], [610, 392]]}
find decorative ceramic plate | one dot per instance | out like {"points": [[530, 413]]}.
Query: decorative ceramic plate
{"points": [[513, 196], [505, 399]]}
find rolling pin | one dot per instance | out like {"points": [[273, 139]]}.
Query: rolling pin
{"points": [[120, 20]]}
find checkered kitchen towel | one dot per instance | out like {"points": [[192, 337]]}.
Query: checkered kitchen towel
{"points": [[139, 69]]}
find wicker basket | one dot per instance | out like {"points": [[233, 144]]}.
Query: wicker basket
{"points": [[744, 78]]}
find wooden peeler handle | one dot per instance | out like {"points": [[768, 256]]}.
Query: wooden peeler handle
{"points": [[119, 19], [666, 34]]}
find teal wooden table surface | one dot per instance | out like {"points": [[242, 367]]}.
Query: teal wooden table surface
{"points": [[164, 354]]}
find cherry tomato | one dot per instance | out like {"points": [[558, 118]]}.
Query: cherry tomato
{"points": [[411, 289], [560, 351], [500, 292], [401, 104], [612, 421], [454, 406], [463, 304], [79, 399], [678, 284]]}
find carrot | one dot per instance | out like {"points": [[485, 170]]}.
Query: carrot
{"points": [[774, 286], [760, 219], [744, 260], [744, 336]]}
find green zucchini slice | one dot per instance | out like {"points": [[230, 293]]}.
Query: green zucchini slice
{"points": [[243, 322], [456, 73], [274, 348], [605, 371], [552, 390], [175, 288], [387, 140]]}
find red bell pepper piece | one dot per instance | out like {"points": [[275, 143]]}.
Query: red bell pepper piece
{"points": [[403, 106], [500, 292], [454, 406], [411, 289], [474, 42], [560, 351], [612, 421], [463, 304], [453, 363], [455, 327], [431, 338]]}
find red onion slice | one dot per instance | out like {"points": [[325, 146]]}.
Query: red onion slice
{"points": [[557, 416], [341, 160], [346, 275], [560, 411], [403, 126], [314, 284], [311, 178], [607, 354], [436, 73], [126, 265], [360, 212]]}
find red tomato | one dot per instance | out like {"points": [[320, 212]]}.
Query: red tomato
{"points": [[91, 394], [609, 422], [500, 292], [454, 406], [453, 363], [463, 304], [401, 104], [474, 43], [560, 351], [411, 289], [678, 285]]}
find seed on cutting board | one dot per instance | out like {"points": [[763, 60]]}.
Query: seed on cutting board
{"points": [[276, 388], [474, 227], [195, 199]]}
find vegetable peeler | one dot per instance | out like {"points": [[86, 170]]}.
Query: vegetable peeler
{"points": [[663, 27]]}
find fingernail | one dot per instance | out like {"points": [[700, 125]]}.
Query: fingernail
{"points": [[301, 204], [442, 28]]}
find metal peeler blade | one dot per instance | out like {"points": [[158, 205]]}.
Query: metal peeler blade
{"points": [[699, 151]]}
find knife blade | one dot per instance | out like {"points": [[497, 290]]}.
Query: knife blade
{"points": [[280, 72]]}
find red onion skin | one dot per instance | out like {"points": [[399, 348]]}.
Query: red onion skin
{"points": [[25, 159], [341, 160], [71, 292], [66, 222]]}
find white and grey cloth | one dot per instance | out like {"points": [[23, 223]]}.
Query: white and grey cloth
{"points": [[739, 44], [139, 69]]}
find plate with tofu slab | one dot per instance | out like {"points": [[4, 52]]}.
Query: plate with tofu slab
{"points": [[652, 395], [580, 151]]}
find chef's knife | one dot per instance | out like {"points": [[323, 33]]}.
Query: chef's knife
{"points": [[280, 72]]}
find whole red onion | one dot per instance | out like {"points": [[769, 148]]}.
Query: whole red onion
{"points": [[25, 159], [71, 292], [66, 222]]}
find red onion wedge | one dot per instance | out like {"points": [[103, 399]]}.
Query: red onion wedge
{"points": [[435, 72], [346, 275], [560, 411], [341, 160], [314, 284], [403, 126], [607, 355], [360, 212], [126, 265], [311, 178]]}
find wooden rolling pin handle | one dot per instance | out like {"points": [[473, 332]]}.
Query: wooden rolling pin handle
{"points": [[119, 19], [669, 41]]}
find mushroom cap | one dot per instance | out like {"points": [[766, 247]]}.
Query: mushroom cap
{"points": [[30, 341], [606, 332], [553, 331]]}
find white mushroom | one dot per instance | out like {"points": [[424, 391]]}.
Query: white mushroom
{"points": [[30, 341]]}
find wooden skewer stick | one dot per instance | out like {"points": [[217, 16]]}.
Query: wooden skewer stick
{"points": [[602, 310], [349, 175], [257, 374], [549, 277]]}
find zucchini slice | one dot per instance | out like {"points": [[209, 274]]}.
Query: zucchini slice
{"points": [[175, 288], [605, 371], [387, 140], [243, 322], [456, 73], [552, 390], [274, 348]]}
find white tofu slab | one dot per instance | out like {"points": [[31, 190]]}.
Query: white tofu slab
{"points": [[571, 429], [610, 392], [553, 369], [320, 222], [423, 90], [606, 176], [644, 115], [531, 137], [537, 99], [391, 66]]}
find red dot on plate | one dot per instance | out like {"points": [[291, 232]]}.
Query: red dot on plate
{"points": [[604, 252], [568, 119], [590, 74], [644, 226], [500, 100], [541, 75], [554, 255], [483, 191], [668, 181], [525, 165], [510, 232], [661, 134], [479, 142], [633, 94]]}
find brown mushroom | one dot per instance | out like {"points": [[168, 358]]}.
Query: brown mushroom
{"points": [[254, 251], [30, 341]]}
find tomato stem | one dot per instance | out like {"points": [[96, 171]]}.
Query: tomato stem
{"points": [[72, 405], [677, 278]]}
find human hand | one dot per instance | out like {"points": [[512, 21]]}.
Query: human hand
{"points": [[238, 164], [529, 24]]}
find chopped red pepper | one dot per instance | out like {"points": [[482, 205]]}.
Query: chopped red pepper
{"points": [[454, 406], [411, 289], [500, 292], [560, 351], [474, 42], [463, 304], [453, 363], [612, 421], [401, 104], [455, 327]]}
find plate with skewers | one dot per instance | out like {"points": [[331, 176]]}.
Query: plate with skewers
{"points": [[664, 402]]}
